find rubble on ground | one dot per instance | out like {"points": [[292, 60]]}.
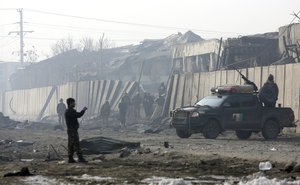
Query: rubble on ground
{"points": [[6, 122], [24, 172]]}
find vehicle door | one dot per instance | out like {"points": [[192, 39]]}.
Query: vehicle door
{"points": [[231, 114], [250, 112]]}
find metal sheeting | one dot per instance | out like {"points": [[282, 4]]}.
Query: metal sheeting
{"points": [[180, 91], [288, 85], [27, 104], [187, 99], [197, 48], [195, 88], [280, 75], [251, 74], [295, 89], [257, 76], [218, 78], [173, 93]]}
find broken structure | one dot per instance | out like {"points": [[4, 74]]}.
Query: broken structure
{"points": [[198, 56], [122, 63], [250, 51], [289, 42]]}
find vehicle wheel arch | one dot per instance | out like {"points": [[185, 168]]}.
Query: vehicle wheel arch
{"points": [[276, 130], [217, 120], [270, 119], [211, 129]]}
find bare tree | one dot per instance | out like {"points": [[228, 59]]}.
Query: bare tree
{"points": [[31, 55], [63, 45], [87, 43], [106, 43]]}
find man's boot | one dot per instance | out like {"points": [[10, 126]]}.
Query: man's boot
{"points": [[81, 159], [71, 160]]}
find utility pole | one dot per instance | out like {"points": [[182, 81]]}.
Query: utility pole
{"points": [[21, 33], [100, 74]]}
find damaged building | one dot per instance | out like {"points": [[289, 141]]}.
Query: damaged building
{"points": [[198, 56], [250, 51], [215, 54], [121, 63], [289, 43]]}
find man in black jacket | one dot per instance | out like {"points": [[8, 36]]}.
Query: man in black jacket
{"points": [[71, 116], [268, 94]]}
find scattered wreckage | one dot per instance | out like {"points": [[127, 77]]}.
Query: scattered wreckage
{"points": [[7, 123]]}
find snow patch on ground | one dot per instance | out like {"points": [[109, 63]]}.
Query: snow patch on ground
{"points": [[166, 181], [92, 178], [41, 180], [266, 181]]}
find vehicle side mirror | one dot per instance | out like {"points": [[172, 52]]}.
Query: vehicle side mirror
{"points": [[226, 105]]}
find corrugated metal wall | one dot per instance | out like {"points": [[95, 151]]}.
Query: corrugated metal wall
{"points": [[27, 104]]}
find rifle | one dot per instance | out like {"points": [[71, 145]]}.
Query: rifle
{"points": [[247, 81]]}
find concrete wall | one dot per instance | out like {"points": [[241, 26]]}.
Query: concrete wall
{"points": [[187, 88], [33, 104], [292, 35], [196, 48], [196, 56]]}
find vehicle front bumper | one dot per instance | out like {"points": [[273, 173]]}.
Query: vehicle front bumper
{"points": [[179, 122]]}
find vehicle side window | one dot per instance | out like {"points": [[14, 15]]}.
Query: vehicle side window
{"points": [[248, 101], [233, 102]]}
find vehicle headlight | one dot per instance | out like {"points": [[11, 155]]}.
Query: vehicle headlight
{"points": [[195, 114]]}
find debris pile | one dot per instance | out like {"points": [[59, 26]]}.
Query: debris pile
{"points": [[7, 123]]}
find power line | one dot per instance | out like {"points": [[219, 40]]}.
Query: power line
{"points": [[295, 16], [56, 39], [96, 30], [2, 25], [129, 23], [9, 42], [5, 9]]}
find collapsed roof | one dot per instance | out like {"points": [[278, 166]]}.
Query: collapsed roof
{"points": [[115, 63]]}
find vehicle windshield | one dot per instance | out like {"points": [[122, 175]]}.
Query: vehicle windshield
{"points": [[211, 101]]}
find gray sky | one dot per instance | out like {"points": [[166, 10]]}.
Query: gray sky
{"points": [[208, 18]]}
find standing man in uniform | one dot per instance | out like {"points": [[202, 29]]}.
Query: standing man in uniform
{"points": [[136, 101], [61, 109], [71, 116], [105, 112], [123, 107], [269, 92]]}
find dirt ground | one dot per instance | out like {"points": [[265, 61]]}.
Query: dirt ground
{"points": [[225, 159]]}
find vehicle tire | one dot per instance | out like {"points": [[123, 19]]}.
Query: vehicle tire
{"points": [[270, 129], [242, 134], [183, 133], [211, 130]]}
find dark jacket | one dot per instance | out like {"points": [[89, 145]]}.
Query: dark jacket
{"points": [[105, 109], [71, 118]]}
